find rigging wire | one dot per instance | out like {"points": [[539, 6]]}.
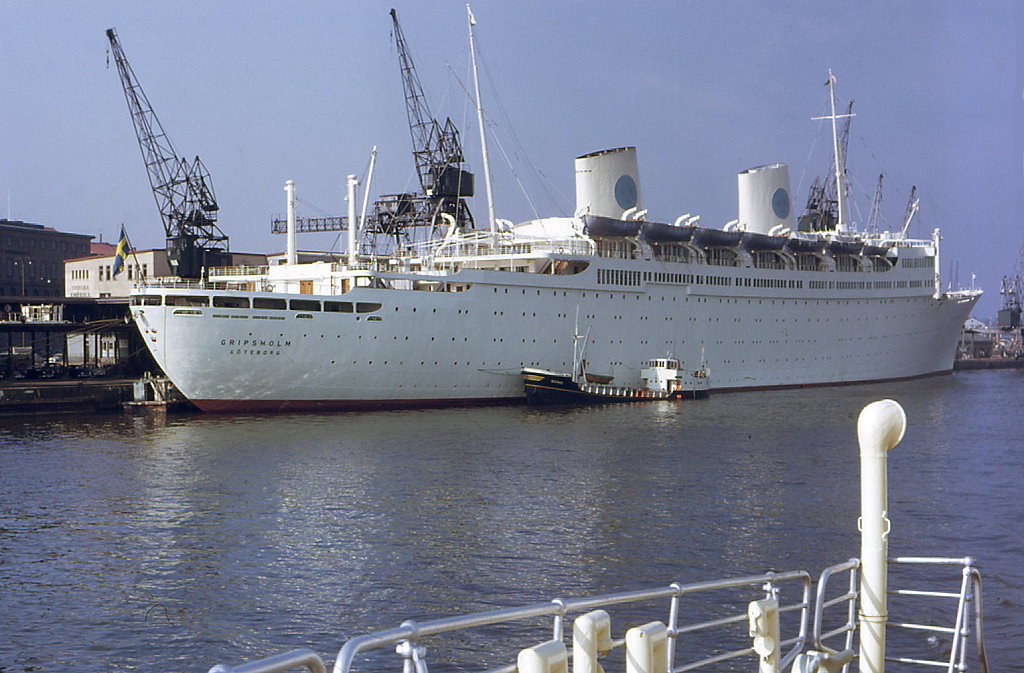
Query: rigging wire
{"points": [[491, 125], [520, 148], [810, 153]]}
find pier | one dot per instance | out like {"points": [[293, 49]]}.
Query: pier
{"points": [[18, 398], [75, 356]]}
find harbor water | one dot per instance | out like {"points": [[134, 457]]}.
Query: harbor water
{"points": [[172, 543]]}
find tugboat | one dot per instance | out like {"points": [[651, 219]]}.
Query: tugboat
{"points": [[668, 375], [663, 379]]}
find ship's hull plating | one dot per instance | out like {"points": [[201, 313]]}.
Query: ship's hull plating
{"points": [[464, 348]]}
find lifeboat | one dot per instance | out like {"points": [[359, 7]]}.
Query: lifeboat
{"points": [[658, 232], [597, 226], [716, 238]]}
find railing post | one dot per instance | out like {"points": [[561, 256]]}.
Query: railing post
{"points": [[412, 657], [673, 625], [962, 627]]}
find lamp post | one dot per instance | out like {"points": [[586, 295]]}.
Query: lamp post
{"points": [[21, 261]]}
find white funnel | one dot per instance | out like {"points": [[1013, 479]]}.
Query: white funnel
{"points": [[764, 198], [608, 183]]}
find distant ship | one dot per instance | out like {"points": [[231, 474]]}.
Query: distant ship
{"points": [[455, 318]]}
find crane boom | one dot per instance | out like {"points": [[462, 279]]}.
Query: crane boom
{"points": [[437, 148], [183, 190]]}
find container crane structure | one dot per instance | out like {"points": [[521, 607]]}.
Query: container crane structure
{"points": [[183, 190]]}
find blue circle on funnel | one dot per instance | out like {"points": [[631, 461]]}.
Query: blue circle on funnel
{"points": [[625, 192], [780, 203]]}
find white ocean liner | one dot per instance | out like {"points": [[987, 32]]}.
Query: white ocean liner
{"points": [[455, 319]]}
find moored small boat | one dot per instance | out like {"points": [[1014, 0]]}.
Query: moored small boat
{"points": [[543, 386], [662, 379]]}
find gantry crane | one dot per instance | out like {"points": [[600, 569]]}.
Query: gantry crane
{"points": [[183, 190]]}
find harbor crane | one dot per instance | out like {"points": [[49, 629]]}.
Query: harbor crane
{"points": [[183, 190], [1008, 317], [437, 149], [444, 183]]}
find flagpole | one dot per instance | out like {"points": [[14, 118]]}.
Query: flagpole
{"points": [[135, 256]]}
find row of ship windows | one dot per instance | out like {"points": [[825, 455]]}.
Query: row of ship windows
{"points": [[272, 303], [866, 285], [635, 278], [620, 277], [917, 262]]}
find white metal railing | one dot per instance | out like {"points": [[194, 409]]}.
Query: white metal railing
{"points": [[477, 243], [239, 270], [968, 601], [407, 638], [304, 658], [847, 629], [171, 283]]}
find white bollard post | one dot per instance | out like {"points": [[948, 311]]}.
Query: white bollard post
{"points": [[591, 637], [647, 648], [549, 657], [880, 427]]}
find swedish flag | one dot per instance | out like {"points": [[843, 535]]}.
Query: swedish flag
{"points": [[121, 254]]}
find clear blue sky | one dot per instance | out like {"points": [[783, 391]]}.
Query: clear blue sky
{"points": [[270, 91]]}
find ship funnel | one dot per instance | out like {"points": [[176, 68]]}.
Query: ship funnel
{"points": [[764, 200], [608, 183]]}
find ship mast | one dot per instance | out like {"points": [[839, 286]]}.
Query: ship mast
{"points": [[837, 153], [840, 178], [483, 131]]}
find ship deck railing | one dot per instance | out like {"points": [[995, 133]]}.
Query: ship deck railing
{"points": [[706, 625], [241, 270], [725, 621], [955, 636], [605, 390], [483, 244], [960, 606]]}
